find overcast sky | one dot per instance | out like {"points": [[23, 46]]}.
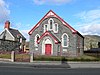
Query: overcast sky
{"points": [[83, 15]]}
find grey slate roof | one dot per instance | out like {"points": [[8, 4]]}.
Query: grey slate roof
{"points": [[55, 36], [15, 33]]}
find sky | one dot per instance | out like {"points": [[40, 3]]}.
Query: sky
{"points": [[82, 15]]}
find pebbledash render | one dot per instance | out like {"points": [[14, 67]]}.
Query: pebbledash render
{"points": [[52, 36]]}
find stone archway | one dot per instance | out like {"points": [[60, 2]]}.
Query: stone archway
{"points": [[47, 46]]}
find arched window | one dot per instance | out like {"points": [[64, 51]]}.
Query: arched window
{"points": [[56, 28], [65, 40], [51, 22], [37, 36], [51, 26], [45, 27]]}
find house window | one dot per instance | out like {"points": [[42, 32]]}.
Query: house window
{"points": [[45, 28], [56, 28], [20, 40], [36, 39], [65, 40], [51, 22], [51, 26]]}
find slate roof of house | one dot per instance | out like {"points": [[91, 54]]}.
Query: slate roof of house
{"points": [[15, 33], [55, 36]]}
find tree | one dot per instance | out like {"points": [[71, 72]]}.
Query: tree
{"points": [[98, 44], [90, 45]]}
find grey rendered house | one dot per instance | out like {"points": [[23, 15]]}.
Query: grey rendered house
{"points": [[54, 37], [11, 39]]}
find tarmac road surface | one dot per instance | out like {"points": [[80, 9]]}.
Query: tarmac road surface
{"points": [[20, 70]]}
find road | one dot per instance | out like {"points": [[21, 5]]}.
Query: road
{"points": [[16, 70]]}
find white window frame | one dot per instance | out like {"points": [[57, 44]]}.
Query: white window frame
{"points": [[45, 27], [21, 40], [52, 23], [36, 48], [56, 31], [63, 40], [53, 26], [35, 40]]}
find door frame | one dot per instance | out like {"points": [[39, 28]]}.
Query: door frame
{"points": [[49, 41]]}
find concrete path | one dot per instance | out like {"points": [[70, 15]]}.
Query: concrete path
{"points": [[84, 64], [53, 64]]}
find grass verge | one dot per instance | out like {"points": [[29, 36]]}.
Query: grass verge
{"points": [[26, 57]]}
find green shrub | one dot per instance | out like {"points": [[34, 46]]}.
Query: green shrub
{"points": [[6, 56], [47, 58]]}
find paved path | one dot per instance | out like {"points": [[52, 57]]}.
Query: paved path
{"points": [[54, 64], [84, 64]]}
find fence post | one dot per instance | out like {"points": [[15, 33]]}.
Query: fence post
{"points": [[31, 57], [12, 56]]}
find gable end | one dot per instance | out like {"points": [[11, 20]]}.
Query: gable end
{"points": [[49, 14]]}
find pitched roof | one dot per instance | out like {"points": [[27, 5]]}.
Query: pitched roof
{"points": [[15, 33], [52, 14], [55, 36], [48, 33]]}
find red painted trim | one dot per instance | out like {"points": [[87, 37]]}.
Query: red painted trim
{"points": [[55, 15], [30, 32], [78, 34], [47, 34], [61, 50], [64, 21]]}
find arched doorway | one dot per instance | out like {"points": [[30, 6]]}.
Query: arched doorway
{"points": [[47, 46]]}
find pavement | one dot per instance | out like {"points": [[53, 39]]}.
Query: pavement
{"points": [[51, 64], [35, 64]]}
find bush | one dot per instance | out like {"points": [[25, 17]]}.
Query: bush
{"points": [[47, 58], [62, 58], [83, 59]]}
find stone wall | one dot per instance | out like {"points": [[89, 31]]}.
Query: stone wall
{"points": [[71, 50], [8, 45]]}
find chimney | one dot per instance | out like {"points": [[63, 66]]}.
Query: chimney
{"points": [[7, 24]]}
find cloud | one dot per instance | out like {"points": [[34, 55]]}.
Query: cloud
{"points": [[4, 11], [22, 29], [89, 15], [49, 2], [25, 34], [90, 22]]}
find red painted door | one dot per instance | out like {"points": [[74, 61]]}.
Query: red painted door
{"points": [[48, 49]]}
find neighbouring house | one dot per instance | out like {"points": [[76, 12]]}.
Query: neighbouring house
{"points": [[27, 47], [54, 37], [11, 39]]}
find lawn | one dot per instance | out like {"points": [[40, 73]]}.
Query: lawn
{"points": [[7, 56], [18, 57], [83, 58], [22, 57]]}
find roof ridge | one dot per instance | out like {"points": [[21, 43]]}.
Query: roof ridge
{"points": [[54, 35], [14, 29]]}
